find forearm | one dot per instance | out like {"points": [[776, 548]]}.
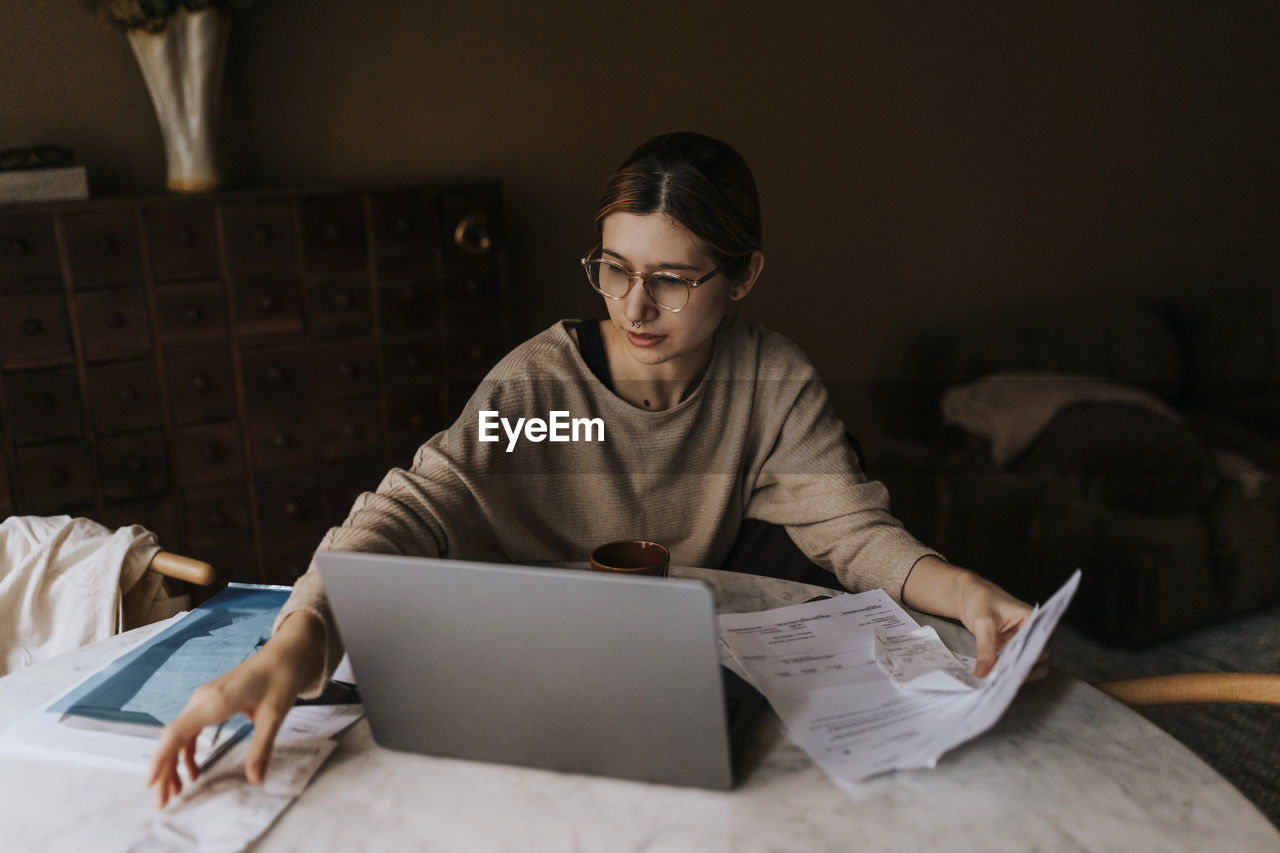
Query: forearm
{"points": [[298, 646], [935, 586]]}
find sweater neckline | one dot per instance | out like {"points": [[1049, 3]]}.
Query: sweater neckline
{"points": [[617, 401]]}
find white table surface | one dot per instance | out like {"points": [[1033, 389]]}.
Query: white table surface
{"points": [[1067, 768]]}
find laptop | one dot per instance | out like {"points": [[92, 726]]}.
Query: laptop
{"points": [[562, 669]]}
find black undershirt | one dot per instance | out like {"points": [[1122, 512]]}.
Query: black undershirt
{"points": [[591, 345]]}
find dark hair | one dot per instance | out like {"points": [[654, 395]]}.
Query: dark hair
{"points": [[700, 182]]}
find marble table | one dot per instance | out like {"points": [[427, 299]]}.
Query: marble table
{"points": [[1067, 768]]}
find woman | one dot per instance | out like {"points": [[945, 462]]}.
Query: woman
{"points": [[706, 421]]}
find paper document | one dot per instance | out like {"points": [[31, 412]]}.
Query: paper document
{"points": [[817, 665], [223, 813], [113, 717], [920, 660]]}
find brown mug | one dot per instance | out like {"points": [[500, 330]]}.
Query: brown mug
{"points": [[631, 557]]}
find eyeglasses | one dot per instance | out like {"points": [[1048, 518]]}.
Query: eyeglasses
{"points": [[35, 158], [667, 290]]}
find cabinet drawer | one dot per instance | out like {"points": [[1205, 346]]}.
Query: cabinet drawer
{"points": [[345, 368], [216, 520], [468, 290], [201, 387], [289, 510], [34, 330], [284, 563], [332, 232], [413, 416], [102, 248], [281, 441], [53, 478], [349, 429], [124, 396], [414, 360], [132, 466], [268, 304], [43, 404], [113, 323], [472, 222], [192, 313], [258, 235], [159, 516], [405, 225], [474, 348], [339, 302], [207, 454], [183, 238], [277, 379], [410, 300], [343, 484], [6, 502], [28, 250]]}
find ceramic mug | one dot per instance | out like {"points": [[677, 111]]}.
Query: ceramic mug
{"points": [[631, 557]]}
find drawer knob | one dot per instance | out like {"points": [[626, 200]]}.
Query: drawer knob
{"points": [[193, 314], [471, 234], [186, 236], [331, 232], [342, 300], [262, 234], [19, 247], [199, 382], [33, 325], [58, 477], [105, 243], [116, 320], [127, 394]]}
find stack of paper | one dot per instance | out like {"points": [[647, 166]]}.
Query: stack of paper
{"points": [[864, 689]]}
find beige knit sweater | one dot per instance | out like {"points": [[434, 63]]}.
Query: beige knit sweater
{"points": [[755, 439]]}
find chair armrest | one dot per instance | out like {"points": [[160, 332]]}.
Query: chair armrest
{"points": [[1253, 687], [181, 568]]}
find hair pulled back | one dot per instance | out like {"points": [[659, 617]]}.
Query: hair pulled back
{"points": [[699, 182]]}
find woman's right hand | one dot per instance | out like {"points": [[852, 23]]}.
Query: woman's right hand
{"points": [[264, 687]]}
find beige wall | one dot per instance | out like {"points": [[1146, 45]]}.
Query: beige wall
{"points": [[911, 163]]}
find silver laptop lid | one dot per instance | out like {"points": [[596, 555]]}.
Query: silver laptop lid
{"points": [[555, 668]]}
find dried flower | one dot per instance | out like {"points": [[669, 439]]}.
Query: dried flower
{"points": [[152, 15]]}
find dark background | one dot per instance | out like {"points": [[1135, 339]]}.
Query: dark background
{"points": [[913, 159]]}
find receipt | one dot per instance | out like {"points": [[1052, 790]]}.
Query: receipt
{"points": [[223, 813], [921, 661]]}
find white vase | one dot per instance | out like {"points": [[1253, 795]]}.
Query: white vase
{"points": [[182, 67]]}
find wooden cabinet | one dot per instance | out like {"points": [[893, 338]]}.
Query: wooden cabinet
{"points": [[232, 370]]}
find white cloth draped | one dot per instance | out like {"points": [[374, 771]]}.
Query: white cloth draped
{"points": [[64, 581]]}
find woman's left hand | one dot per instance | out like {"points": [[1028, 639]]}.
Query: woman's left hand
{"points": [[990, 613], [994, 616]]}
